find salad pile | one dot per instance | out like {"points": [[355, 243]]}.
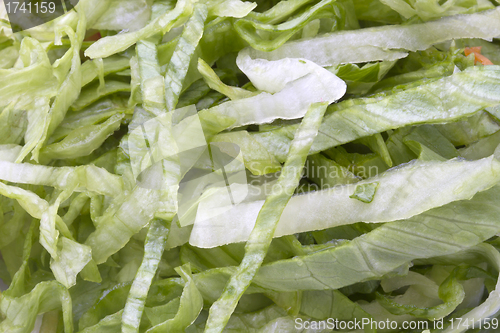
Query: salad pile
{"points": [[269, 166]]}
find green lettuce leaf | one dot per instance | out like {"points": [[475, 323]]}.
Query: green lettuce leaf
{"points": [[110, 45], [353, 119]]}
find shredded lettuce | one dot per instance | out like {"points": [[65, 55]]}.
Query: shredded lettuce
{"points": [[236, 166]]}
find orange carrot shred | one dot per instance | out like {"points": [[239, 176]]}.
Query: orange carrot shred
{"points": [[477, 55]]}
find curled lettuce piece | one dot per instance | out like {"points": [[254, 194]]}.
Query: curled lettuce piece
{"points": [[384, 43], [451, 294], [401, 193], [432, 292], [68, 257], [215, 83], [295, 85], [289, 103], [71, 260], [429, 144], [491, 306], [82, 142], [49, 235], [129, 214], [260, 239], [190, 305], [273, 76], [20, 312]]}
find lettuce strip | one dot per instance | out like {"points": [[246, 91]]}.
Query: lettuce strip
{"points": [[153, 250], [80, 232], [384, 43], [456, 180], [261, 236], [69, 89], [184, 51], [152, 82], [83, 178]]}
